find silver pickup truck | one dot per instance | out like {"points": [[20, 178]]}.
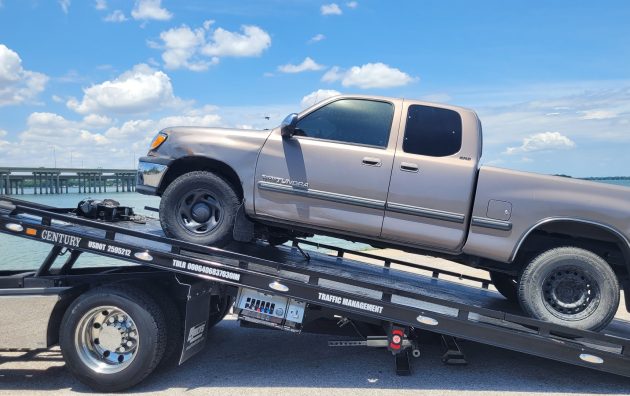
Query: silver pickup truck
{"points": [[404, 174]]}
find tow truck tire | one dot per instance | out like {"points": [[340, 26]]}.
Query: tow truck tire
{"points": [[505, 284], [199, 207], [112, 337], [224, 305], [570, 286]]}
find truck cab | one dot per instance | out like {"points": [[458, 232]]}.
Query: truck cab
{"points": [[396, 170]]}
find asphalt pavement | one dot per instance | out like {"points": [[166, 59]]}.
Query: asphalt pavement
{"points": [[266, 362]]}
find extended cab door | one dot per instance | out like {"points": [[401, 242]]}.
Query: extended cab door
{"points": [[334, 173], [433, 177]]}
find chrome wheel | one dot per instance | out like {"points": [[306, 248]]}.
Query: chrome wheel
{"points": [[107, 339], [199, 212], [570, 291]]}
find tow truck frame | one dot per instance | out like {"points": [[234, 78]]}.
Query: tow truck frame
{"points": [[382, 305]]}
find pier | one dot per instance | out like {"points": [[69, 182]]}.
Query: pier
{"points": [[14, 180]]}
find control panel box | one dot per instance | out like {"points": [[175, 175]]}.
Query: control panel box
{"points": [[270, 310]]}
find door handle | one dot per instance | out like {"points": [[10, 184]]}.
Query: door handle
{"points": [[408, 167], [371, 161]]}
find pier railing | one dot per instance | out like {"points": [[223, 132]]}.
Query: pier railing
{"points": [[17, 180]]}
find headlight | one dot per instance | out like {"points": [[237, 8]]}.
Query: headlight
{"points": [[158, 140]]}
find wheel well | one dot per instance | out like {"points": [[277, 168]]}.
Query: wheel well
{"points": [[191, 164], [598, 239]]}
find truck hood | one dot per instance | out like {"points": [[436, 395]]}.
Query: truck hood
{"points": [[200, 141]]}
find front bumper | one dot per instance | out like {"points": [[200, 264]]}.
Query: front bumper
{"points": [[149, 177]]}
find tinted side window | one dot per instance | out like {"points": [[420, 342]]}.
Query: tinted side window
{"points": [[432, 131], [350, 120]]}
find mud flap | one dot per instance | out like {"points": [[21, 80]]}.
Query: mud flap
{"points": [[196, 320], [243, 227]]}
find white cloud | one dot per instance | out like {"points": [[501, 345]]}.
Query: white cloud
{"points": [[181, 45], [100, 5], [197, 49], [3, 133], [331, 9], [138, 90], [51, 129], [96, 121], [545, 141], [318, 96], [370, 75], [598, 114], [352, 4], [307, 64], [116, 16], [17, 85], [65, 5], [150, 10], [317, 38], [252, 42]]}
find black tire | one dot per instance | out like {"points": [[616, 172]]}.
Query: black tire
{"points": [[199, 207], [275, 240], [147, 319], [570, 286], [174, 328], [218, 312], [505, 284]]}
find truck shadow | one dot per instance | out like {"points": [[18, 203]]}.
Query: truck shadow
{"points": [[256, 361]]}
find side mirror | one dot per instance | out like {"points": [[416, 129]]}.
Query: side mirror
{"points": [[287, 128]]}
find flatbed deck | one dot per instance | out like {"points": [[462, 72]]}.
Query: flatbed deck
{"points": [[377, 292]]}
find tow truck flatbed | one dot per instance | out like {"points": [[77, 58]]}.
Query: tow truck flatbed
{"points": [[313, 284]]}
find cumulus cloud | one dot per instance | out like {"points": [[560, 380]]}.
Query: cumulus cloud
{"points": [[370, 75], [252, 42], [116, 16], [17, 85], [316, 38], [197, 49], [545, 141], [50, 128], [150, 10], [318, 96], [331, 9], [135, 91], [181, 46], [352, 4], [307, 64], [100, 5]]}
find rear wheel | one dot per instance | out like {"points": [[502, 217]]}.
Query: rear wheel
{"points": [[505, 284], [113, 337], [219, 311], [199, 207], [570, 286]]}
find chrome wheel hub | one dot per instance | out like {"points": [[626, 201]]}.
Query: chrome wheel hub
{"points": [[107, 339]]}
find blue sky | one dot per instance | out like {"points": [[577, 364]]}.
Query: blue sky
{"points": [[93, 81]]}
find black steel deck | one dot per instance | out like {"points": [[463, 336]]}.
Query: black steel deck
{"points": [[431, 302]]}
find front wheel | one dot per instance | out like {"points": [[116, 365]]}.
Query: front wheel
{"points": [[199, 207], [112, 337], [570, 286]]}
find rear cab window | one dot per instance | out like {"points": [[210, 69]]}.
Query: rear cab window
{"points": [[356, 121], [432, 131]]}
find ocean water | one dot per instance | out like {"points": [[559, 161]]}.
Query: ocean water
{"points": [[18, 253]]}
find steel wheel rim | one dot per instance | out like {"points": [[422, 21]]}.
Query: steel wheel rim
{"points": [[569, 291], [199, 212], [107, 339]]}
